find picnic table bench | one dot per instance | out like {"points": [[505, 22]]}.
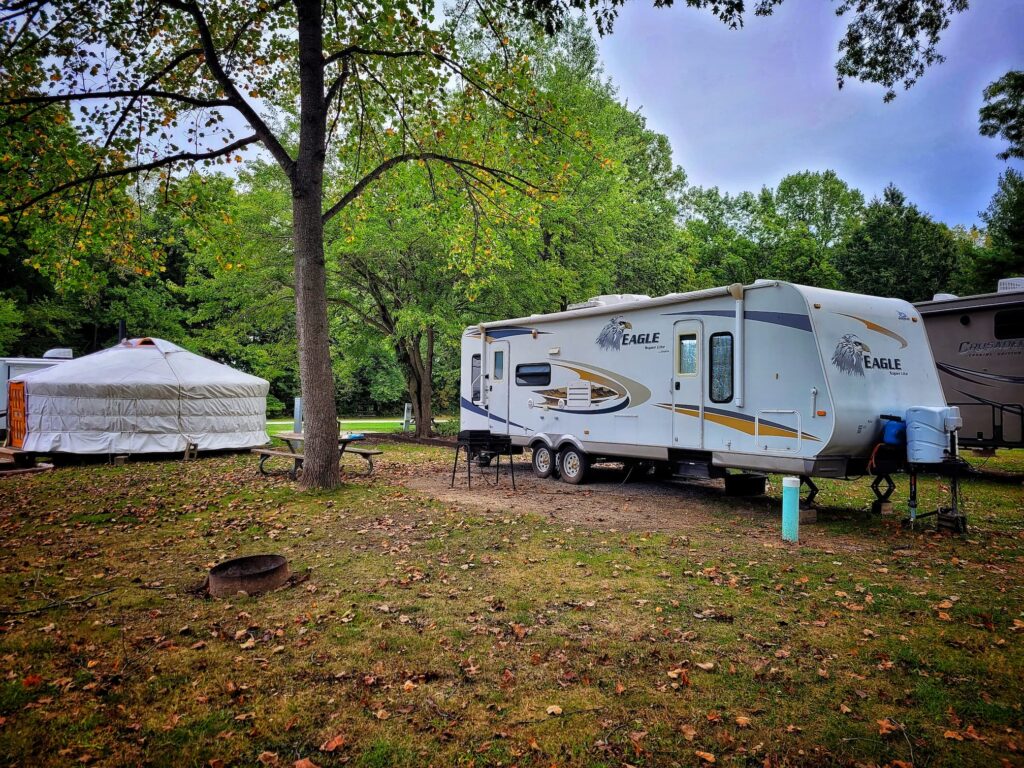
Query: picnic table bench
{"points": [[295, 441]]}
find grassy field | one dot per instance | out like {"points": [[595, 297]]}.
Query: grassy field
{"points": [[348, 425], [444, 633]]}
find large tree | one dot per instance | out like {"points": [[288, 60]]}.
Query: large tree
{"points": [[159, 84], [899, 251]]}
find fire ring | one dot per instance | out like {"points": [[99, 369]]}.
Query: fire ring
{"points": [[252, 575]]}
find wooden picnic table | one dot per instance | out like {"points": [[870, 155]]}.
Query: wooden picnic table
{"points": [[295, 442]]}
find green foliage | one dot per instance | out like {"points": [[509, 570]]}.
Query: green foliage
{"points": [[790, 233], [899, 251], [1004, 221], [1003, 113], [10, 324]]}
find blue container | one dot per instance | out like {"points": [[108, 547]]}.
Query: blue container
{"points": [[791, 508], [895, 433]]}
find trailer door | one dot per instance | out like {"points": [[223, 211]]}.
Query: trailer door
{"points": [[497, 389], [687, 385]]}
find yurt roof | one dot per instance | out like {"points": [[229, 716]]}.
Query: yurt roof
{"points": [[143, 368]]}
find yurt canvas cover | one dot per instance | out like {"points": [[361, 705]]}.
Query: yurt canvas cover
{"points": [[141, 396]]}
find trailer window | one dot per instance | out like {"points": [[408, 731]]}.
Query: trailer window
{"points": [[687, 365], [720, 370], [474, 377], [1010, 324], [499, 365], [533, 375]]}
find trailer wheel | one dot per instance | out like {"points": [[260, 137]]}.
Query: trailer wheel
{"points": [[573, 465], [543, 461]]}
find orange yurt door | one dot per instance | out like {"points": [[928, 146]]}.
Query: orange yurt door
{"points": [[16, 413]]}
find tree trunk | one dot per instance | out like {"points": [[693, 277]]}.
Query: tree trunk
{"points": [[418, 379], [320, 468]]}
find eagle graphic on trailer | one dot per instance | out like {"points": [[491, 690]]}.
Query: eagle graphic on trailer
{"points": [[747, 378], [849, 355], [611, 335]]}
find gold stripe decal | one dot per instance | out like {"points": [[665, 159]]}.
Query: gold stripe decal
{"points": [[638, 393], [739, 422], [877, 328]]}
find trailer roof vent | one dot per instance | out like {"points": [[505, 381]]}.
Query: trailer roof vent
{"points": [[59, 353], [609, 299], [1010, 285], [944, 297]]}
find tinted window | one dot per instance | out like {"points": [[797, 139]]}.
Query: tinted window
{"points": [[720, 368], [474, 377], [1010, 324], [687, 354], [499, 365], [533, 375]]}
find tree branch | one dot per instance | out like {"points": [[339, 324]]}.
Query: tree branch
{"points": [[506, 177], [162, 162], [118, 94], [213, 63]]}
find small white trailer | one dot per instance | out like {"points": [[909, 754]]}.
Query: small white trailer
{"points": [[16, 366], [769, 377]]}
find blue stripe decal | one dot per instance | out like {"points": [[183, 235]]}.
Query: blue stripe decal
{"points": [[474, 408], [788, 319]]}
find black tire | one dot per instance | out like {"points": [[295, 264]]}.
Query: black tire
{"points": [[543, 461], [573, 465]]}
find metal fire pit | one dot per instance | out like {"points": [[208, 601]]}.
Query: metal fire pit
{"points": [[252, 575]]}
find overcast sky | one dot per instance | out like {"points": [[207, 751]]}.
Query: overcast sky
{"points": [[745, 108]]}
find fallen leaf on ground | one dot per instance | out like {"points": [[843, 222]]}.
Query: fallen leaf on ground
{"points": [[707, 757], [688, 731], [743, 722], [554, 710], [332, 744], [886, 726], [267, 758], [954, 735], [305, 763], [707, 666]]}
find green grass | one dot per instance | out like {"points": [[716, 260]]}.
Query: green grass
{"points": [[385, 426], [434, 632]]}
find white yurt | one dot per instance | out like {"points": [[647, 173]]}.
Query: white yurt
{"points": [[141, 396]]}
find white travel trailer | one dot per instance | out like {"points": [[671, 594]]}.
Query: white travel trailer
{"points": [[769, 377]]}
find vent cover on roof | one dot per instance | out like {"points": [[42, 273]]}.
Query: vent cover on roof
{"points": [[1010, 285], [608, 299]]}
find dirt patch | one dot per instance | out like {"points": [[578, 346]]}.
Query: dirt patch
{"points": [[611, 501], [605, 501]]}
